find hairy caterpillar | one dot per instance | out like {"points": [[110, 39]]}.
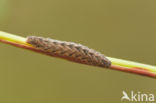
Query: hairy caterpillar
{"points": [[69, 50]]}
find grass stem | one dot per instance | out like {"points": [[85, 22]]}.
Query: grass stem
{"points": [[117, 64]]}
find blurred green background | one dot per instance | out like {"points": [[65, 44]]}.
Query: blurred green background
{"points": [[117, 28]]}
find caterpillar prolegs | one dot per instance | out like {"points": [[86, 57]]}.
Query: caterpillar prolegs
{"points": [[70, 51]]}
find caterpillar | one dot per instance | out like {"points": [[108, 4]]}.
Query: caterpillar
{"points": [[70, 51]]}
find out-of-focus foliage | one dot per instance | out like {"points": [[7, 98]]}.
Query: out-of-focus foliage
{"points": [[3, 9]]}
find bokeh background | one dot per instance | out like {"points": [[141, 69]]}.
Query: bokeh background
{"points": [[118, 28]]}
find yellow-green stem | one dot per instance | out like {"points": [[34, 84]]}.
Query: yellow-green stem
{"points": [[118, 62], [127, 63]]}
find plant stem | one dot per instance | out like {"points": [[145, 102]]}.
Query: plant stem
{"points": [[130, 64], [117, 64]]}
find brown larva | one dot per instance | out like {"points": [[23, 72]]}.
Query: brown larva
{"points": [[70, 51]]}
